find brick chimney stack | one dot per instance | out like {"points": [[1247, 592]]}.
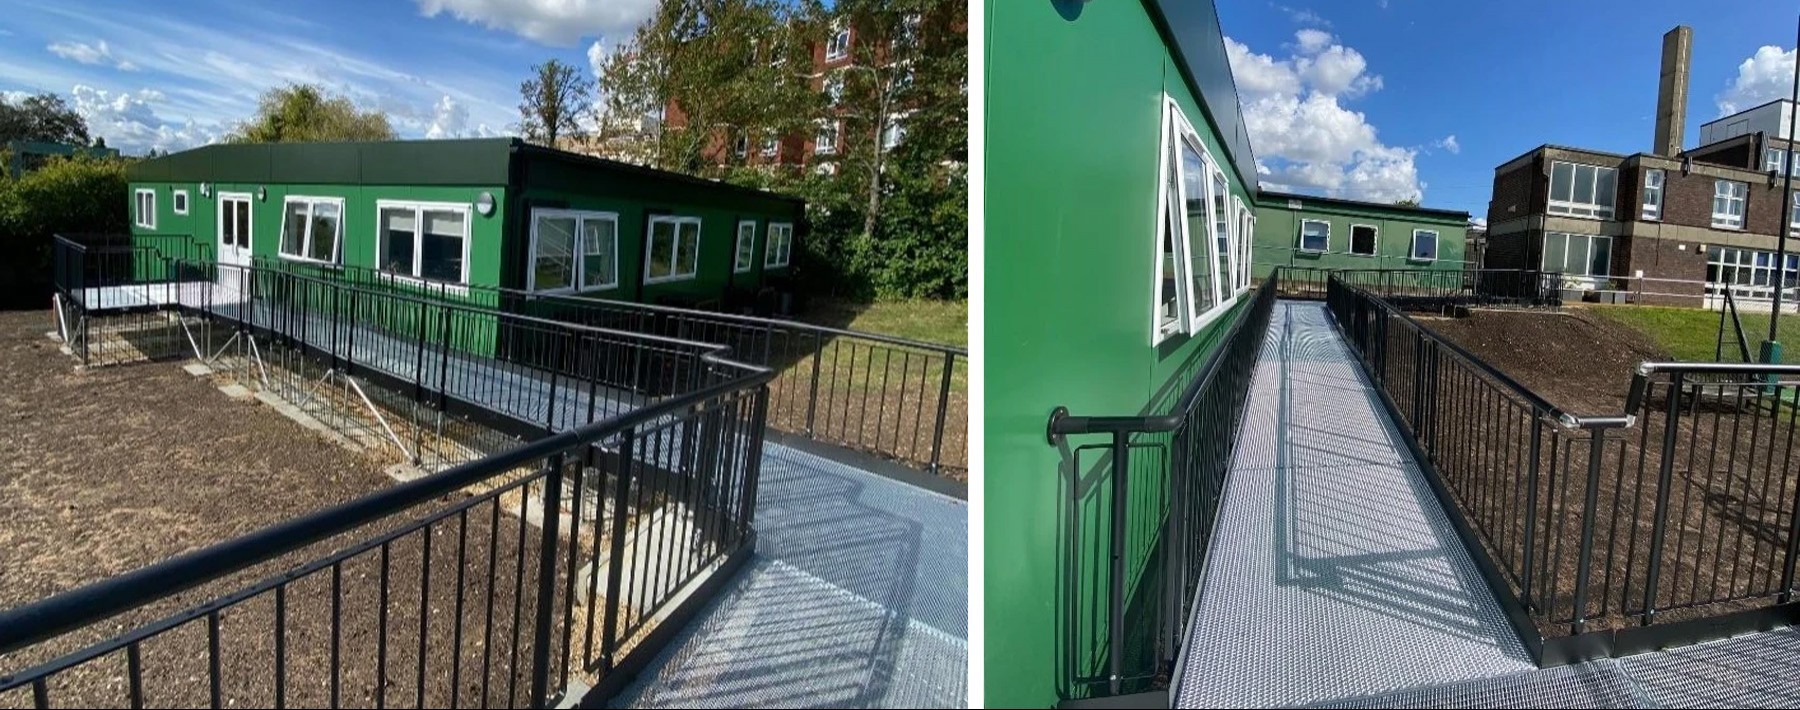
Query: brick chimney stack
{"points": [[1671, 92]]}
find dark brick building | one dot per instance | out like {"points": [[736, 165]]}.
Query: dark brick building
{"points": [[1671, 226]]}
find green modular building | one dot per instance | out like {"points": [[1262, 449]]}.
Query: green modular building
{"points": [[472, 218], [1329, 233], [1119, 196]]}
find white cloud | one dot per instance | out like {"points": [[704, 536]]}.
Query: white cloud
{"points": [[1303, 16], [559, 22], [450, 119], [1766, 76], [1311, 41], [1449, 143], [1304, 136], [130, 123], [1478, 222], [96, 53]]}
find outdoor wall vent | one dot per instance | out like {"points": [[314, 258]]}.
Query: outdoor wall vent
{"points": [[205, 189], [484, 203], [1293, 204], [262, 194]]}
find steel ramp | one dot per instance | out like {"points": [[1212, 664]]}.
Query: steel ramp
{"points": [[1334, 572]]}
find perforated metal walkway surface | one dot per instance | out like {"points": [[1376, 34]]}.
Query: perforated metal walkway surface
{"points": [[857, 597], [1335, 573]]}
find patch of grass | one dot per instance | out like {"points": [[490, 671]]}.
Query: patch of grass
{"points": [[945, 322], [1692, 334]]}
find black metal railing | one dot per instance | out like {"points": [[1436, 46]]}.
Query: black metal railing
{"points": [[1731, 327], [1680, 511], [898, 398], [424, 594], [1158, 541], [652, 443], [1435, 289]]}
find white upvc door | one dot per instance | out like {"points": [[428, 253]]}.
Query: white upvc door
{"points": [[234, 231]]}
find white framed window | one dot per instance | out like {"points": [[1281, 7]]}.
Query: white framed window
{"points": [[1197, 269], [1577, 254], [573, 250], [674, 249], [1748, 273], [1773, 158], [1315, 236], [825, 142], [838, 46], [767, 148], [312, 229], [1581, 190], [746, 247], [740, 146], [1794, 216], [423, 241], [1728, 203], [145, 199], [834, 87], [779, 249], [1364, 239], [1224, 229], [1424, 245], [1246, 238], [179, 198], [892, 133], [1653, 193]]}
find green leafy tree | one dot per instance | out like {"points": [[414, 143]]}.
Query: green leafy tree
{"points": [[550, 102], [66, 195], [43, 117], [905, 77], [1407, 202], [306, 113], [731, 69]]}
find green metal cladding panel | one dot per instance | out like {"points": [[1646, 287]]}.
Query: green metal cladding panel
{"points": [[719, 220], [1278, 234], [359, 230], [1073, 123]]}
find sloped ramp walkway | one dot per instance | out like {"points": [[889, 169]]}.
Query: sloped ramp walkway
{"points": [[857, 597], [1335, 573]]}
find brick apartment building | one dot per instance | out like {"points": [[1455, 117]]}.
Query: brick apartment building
{"points": [[1678, 226], [831, 59]]}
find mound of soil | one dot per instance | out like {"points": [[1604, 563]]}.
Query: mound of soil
{"points": [[1581, 363]]}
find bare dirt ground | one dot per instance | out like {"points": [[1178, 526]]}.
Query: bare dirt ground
{"points": [[1730, 483], [107, 470]]}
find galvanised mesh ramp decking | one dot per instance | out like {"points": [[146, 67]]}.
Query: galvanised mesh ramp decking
{"points": [[856, 598], [1334, 572], [1751, 671]]}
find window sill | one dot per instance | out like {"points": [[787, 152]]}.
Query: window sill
{"points": [[1358, 253], [1310, 252], [744, 270], [309, 260], [766, 267], [1732, 227], [669, 279], [460, 289]]}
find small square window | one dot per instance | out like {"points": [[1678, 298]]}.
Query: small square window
{"points": [[1363, 239], [1315, 235], [181, 201], [1424, 245]]}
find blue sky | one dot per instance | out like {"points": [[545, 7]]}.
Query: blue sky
{"points": [[183, 73], [1502, 77]]}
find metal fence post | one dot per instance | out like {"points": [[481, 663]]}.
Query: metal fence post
{"points": [[1121, 464], [546, 592], [1665, 476], [1584, 565], [943, 407], [1531, 506], [615, 568], [812, 398]]}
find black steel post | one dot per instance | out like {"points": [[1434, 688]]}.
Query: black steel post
{"points": [[1121, 464], [1664, 479], [1772, 348], [1584, 566], [937, 435], [615, 570], [812, 397], [546, 596], [1531, 506]]}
